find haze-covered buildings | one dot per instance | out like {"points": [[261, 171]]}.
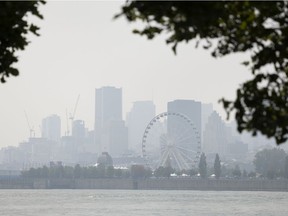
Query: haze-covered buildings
{"points": [[108, 121], [123, 140], [215, 138], [117, 138], [206, 111], [141, 114], [190, 108], [219, 138], [51, 128], [79, 130]]}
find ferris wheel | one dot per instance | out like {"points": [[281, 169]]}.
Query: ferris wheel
{"points": [[171, 139]]}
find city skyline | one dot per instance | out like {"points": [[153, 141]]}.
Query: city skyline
{"points": [[178, 132], [76, 54], [67, 125]]}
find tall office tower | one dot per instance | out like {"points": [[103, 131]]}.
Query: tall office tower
{"points": [[79, 130], [141, 114], [118, 138], [190, 108], [206, 111], [236, 147], [215, 139], [108, 107], [51, 128]]}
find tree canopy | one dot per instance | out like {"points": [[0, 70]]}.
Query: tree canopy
{"points": [[217, 166], [270, 162], [202, 166], [226, 27], [14, 29]]}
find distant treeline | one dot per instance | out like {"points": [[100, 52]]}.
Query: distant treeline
{"points": [[76, 172], [94, 172], [101, 171], [269, 163]]}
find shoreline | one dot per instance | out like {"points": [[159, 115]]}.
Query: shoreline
{"points": [[150, 184]]}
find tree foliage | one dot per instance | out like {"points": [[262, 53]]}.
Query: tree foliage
{"points": [[244, 174], [236, 172], [286, 167], [270, 162], [217, 167], [14, 29], [229, 27], [163, 171], [77, 172], [203, 166], [139, 171]]}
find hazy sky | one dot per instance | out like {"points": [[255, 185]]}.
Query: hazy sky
{"points": [[82, 48]]}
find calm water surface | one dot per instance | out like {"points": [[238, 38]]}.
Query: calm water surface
{"points": [[138, 203]]}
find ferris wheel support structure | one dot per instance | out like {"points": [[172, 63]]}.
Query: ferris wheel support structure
{"points": [[171, 137]]}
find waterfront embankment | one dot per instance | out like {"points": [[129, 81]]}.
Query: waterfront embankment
{"points": [[149, 184]]}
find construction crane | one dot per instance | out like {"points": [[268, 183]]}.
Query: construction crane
{"points": [[31, 129], [72, 116]]}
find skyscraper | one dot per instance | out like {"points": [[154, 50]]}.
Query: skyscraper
{"points": [[51, 128], [141, 114], [206, 111], [108, 108], [190, 108], [78, 130], [118, 138], [215, 139]]}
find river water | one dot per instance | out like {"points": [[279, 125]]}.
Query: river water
{"points": [[141, 202]]}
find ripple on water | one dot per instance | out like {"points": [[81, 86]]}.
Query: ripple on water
{"points": [[138, 203]]}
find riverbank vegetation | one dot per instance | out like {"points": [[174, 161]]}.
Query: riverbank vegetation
{"points": [[269, 163]]}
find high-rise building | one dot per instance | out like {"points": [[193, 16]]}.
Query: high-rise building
{"points": [[236, 146], [141, 114], [51, 128], [206, 111], [215, 139], [108, 108], [190, 108], [78, 129], [117, 138]]}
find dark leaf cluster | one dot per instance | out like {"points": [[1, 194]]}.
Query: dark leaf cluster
{"points": [[14, 29]]}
